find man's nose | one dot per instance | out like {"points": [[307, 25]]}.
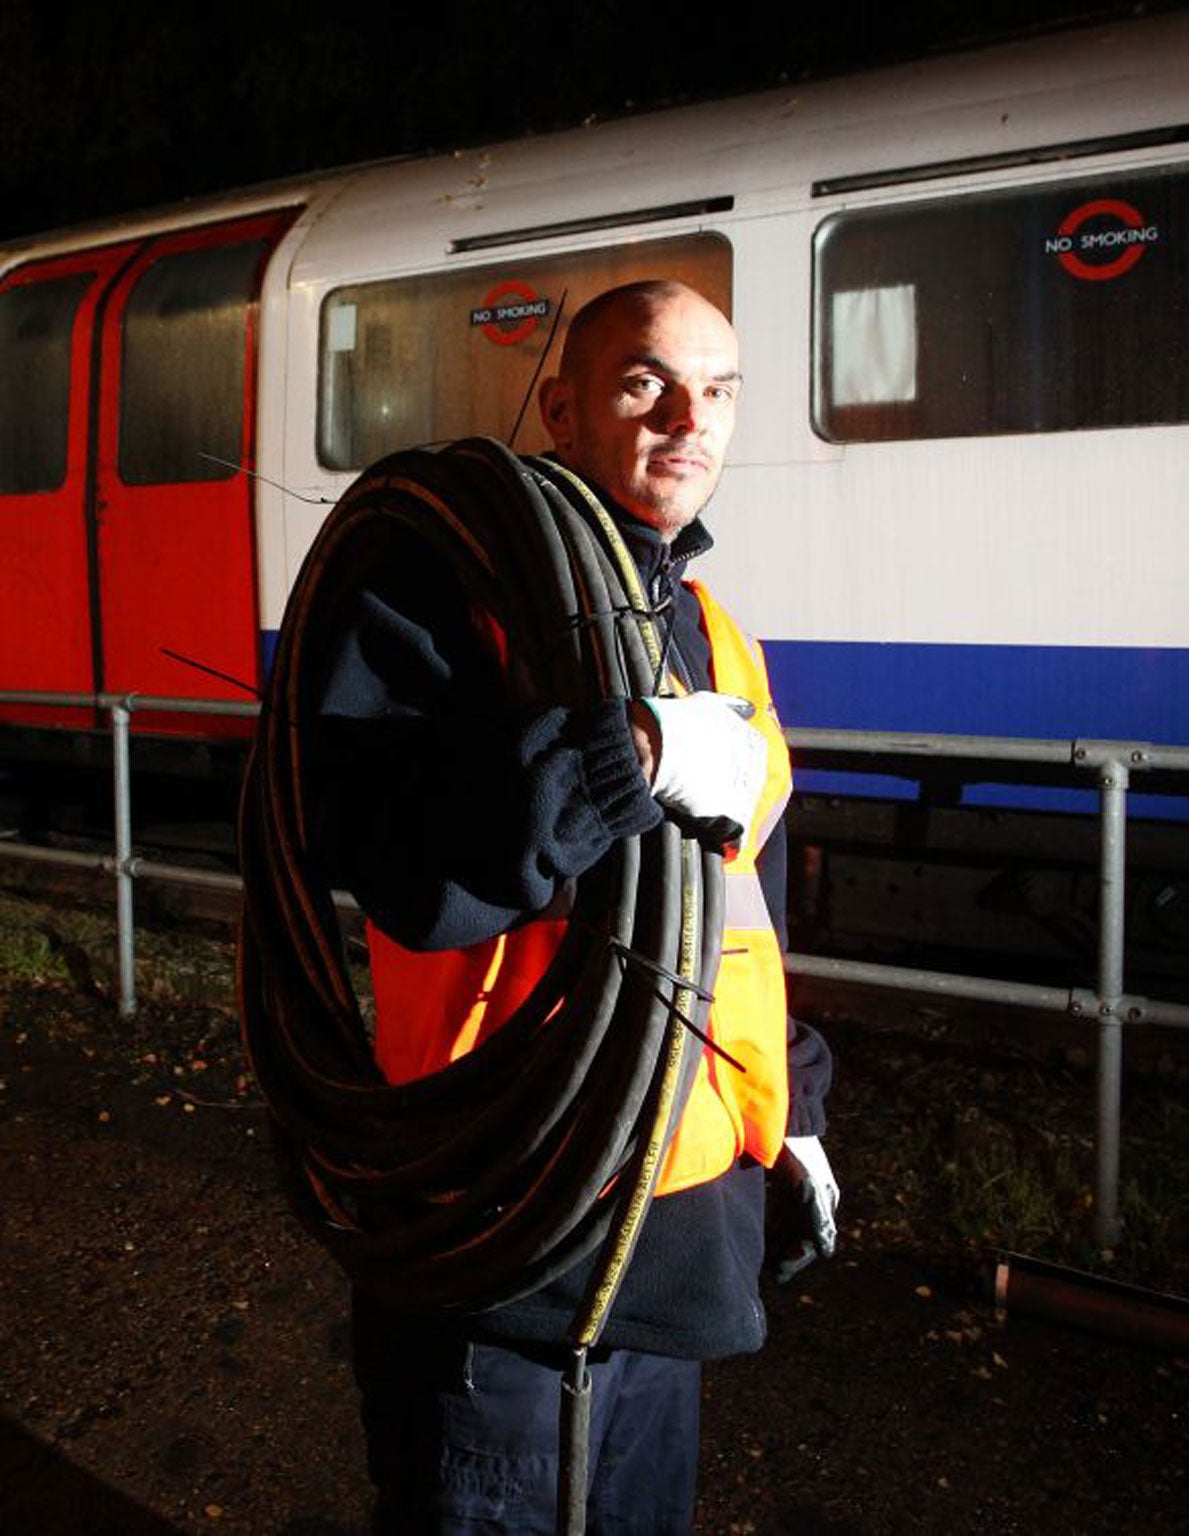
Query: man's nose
{"points": [[682, 410]]}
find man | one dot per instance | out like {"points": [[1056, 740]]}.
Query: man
{"points": [[461, 1419]]}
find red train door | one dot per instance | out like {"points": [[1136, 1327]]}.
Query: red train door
{"points": [[49, 311], [176, 437]]}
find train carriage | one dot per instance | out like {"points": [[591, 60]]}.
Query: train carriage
{"points": [[955, 498]]}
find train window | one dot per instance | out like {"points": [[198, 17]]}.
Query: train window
{"points": [[1042, 309], [36, 325], [182, 371], [451, 354]]}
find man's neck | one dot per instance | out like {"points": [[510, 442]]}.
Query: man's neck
{"points": [[647, 542]]}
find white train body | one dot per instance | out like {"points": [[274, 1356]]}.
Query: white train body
{"points": [[911, 561]]}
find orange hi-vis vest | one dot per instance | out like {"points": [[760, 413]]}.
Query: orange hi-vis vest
{"points": [[433, 1007]]}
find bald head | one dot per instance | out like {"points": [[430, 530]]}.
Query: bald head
{"points": [[644, 400], [631, 301]]}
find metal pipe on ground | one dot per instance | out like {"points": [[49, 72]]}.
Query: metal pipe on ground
{"points": [[1037, 1288], [67, 858]]}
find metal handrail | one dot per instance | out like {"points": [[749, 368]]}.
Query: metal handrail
{"points": [[1074, 752], [124, 865], [159, 703], [1112, 763]]}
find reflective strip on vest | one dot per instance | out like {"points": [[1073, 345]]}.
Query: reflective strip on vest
{"points": [[745, 904]]}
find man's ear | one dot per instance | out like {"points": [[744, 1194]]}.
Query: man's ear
{"points": [[556, 400]]}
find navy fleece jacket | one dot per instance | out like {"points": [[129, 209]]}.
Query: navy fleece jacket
{"points": [[450, 820]]}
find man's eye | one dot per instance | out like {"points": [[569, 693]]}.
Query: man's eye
{"points": [[645, 384]]}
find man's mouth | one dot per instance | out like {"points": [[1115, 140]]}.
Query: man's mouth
{"points": [[678, 461]]}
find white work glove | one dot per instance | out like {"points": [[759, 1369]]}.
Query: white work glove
{"points": [[712, 764], [819, 1189]]}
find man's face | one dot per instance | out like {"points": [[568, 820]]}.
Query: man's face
{"points": [[648, 406]]}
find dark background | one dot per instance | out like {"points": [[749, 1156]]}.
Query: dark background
{"points": [[110, 107]]}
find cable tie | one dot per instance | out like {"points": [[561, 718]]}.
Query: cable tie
{"points": [[588, 620], [707, 1041], [626, 953]]}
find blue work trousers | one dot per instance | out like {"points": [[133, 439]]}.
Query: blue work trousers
{"points": [[462, 1437]]}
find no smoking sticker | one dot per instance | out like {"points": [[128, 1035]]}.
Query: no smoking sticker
{"points": [[1101, 239], [510, 313]]}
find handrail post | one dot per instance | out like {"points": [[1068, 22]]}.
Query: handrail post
{"points": [[1113, 778], [121, 715]]}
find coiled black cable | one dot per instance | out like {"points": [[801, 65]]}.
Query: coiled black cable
{"points": [[464, 1190]]}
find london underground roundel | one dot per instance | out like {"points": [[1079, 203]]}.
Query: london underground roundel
{"points": [[1101, 239]]}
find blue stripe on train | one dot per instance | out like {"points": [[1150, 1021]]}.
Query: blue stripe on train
{"points": [[1124, 694]]}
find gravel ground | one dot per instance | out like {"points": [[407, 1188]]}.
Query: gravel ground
{"points": [[176, 1350]]}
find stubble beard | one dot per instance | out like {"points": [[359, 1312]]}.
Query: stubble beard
{"points": [[670, 514]]}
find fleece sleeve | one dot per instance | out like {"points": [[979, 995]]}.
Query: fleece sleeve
{"points": [[447, 815]]}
